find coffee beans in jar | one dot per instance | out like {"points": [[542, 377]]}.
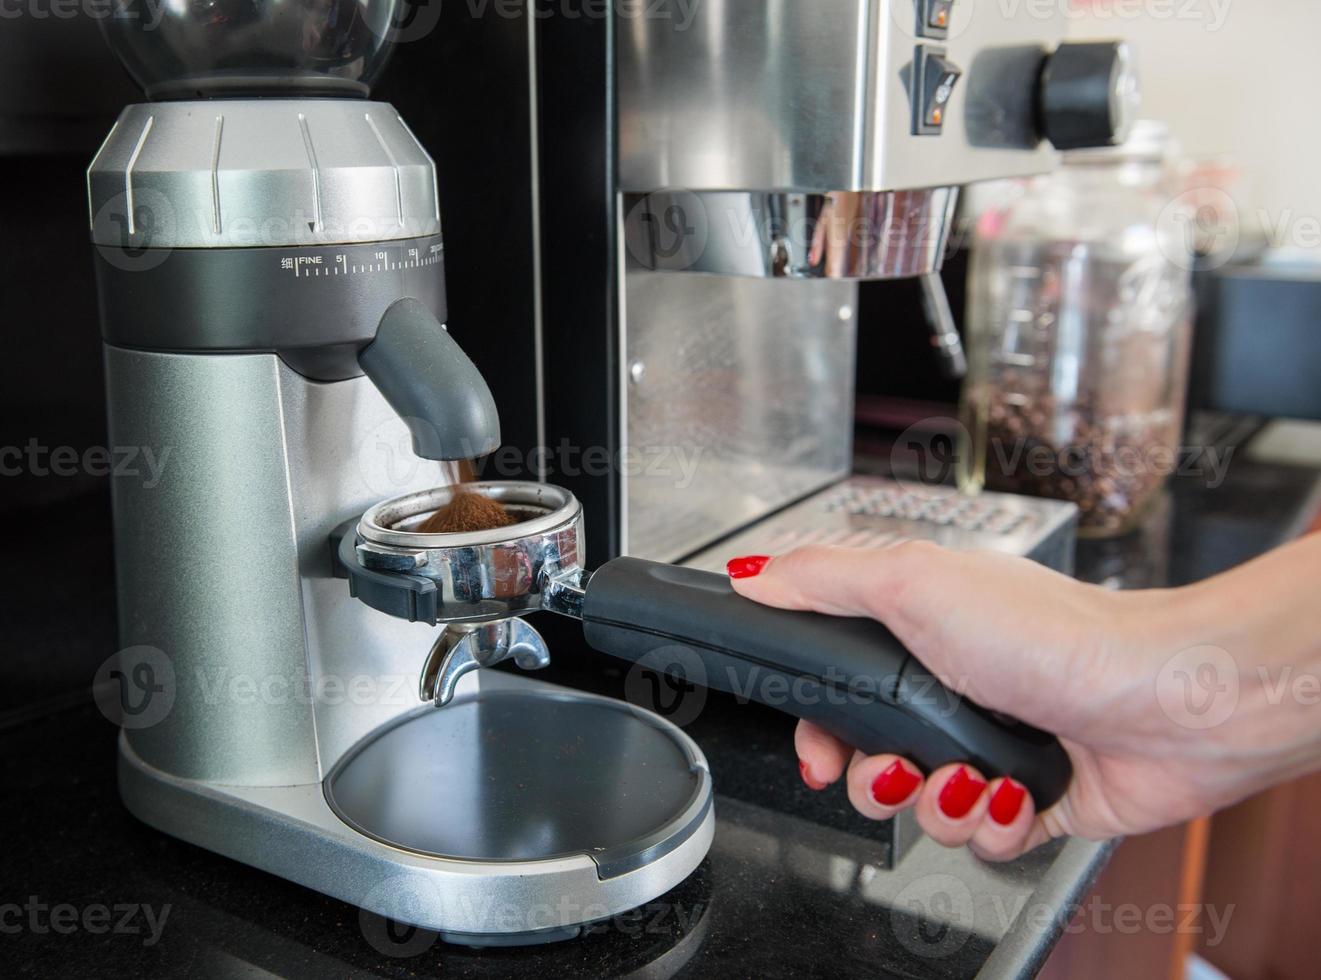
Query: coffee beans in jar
{"points": [[1111, 466], [1079, 319]]}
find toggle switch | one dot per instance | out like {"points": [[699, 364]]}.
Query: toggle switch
{"points": [[933, 18], [934, 76]]}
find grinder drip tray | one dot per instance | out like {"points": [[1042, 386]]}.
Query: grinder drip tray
{"points": [[526, 774]]}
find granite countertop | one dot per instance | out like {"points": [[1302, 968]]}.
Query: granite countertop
{"points": [[795, 883]]}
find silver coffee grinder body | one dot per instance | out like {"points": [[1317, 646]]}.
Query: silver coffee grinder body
{"points": [[272, 293]]}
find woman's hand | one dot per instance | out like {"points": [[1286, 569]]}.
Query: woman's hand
{"points": [[1096, 668]]}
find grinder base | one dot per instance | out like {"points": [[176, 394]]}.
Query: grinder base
{"points": [[526, 775], [529, 872]]}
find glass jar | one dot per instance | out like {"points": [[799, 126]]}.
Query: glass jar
{"points": [[1079, 326]]}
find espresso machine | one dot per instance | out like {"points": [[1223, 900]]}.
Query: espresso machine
{"points": [[271, 277], [737, 170]]}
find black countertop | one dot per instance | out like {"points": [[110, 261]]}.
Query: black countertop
{"points": [[795, 883]]}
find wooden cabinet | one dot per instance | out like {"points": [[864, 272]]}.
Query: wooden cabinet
{"points": [[1134, 924], [1265, 869]]}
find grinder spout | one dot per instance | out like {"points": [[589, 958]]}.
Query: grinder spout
{"points": [[428, 379]]}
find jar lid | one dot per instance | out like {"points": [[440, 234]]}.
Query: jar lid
{"points": [[1148, 140]]}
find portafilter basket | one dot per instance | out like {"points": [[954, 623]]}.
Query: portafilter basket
{"points": [[481, 576], [476, 583]]}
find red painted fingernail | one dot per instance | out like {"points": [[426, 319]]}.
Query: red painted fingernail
{"points": [[894, 785], [807, 777], [960, 794], [1006, 801], [749, 566]]}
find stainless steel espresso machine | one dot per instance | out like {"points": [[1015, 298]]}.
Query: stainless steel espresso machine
{"points": [[271, 276], [737, 168]]}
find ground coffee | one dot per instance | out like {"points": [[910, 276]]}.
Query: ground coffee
{"points": [[467, 512]]}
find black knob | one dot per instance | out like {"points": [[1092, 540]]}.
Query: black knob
{"points": [[1089, 95]]}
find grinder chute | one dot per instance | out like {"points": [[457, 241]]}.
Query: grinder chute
{"points": [[431, 383]]}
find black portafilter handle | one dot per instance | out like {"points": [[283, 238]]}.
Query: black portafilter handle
{"points": [[849, 676]]}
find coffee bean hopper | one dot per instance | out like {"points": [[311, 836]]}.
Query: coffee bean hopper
{"points": [[850, 676]]}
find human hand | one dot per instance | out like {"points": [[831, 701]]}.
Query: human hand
{"points": [[1072, 659]]}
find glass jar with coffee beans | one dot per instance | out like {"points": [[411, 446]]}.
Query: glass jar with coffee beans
{"points": [[1079, 326]]}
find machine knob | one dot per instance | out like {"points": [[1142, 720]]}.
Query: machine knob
{"points": [[1089, 95]]}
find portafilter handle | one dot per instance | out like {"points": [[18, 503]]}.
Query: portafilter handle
{"points": [[851, 677]]}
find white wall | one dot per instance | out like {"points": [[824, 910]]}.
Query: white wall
{"points": [[1238, 78]]}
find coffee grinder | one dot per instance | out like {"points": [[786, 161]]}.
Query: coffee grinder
{"points": [[270, 269], [271, 274]]}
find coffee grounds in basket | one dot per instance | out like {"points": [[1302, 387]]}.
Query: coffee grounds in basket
{"points": [[467, 512]]}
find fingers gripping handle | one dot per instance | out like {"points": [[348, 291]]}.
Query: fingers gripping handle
{"points": [[850, 676]]}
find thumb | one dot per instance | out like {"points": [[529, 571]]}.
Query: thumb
{"points": [[837, 581]]}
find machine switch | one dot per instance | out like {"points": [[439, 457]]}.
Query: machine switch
{"points": [[934, 79], [933, 18]]}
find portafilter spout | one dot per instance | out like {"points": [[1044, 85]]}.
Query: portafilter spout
{"points": [[462, 648]]}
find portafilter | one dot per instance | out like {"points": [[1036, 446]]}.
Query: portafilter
{"points": [[851, 677]]}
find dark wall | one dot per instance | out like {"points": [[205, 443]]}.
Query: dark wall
{"points": [[60, 90], [464, 90], [59, 93], [53, 637], [895, 357]]}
